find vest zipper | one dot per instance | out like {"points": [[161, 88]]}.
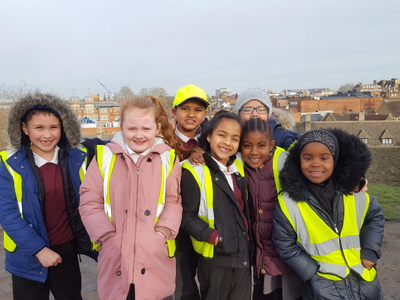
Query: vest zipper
{"points": [[134, 247]]}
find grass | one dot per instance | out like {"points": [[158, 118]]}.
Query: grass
{"points": [[389, 199]]}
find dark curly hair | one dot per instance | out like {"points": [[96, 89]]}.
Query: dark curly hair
{"points": [[257, 124]]}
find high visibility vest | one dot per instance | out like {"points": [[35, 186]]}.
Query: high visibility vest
{"points": [[336, 253], [106, 160], [202, 175], [9, 244]]}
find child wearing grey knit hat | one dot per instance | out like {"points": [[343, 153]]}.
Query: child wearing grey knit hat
{"points": [[257, 94], [256, 103]]}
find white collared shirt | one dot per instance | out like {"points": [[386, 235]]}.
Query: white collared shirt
{"points": [[184, 138], [40, 161], [135, 156], [228, 171]]}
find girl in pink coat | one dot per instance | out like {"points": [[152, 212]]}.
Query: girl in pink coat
{"points": [[134, 211]]}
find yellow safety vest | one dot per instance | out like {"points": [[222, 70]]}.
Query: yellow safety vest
{"points": [[202, 175], [106, 160], [9, 244], [336, 253]]}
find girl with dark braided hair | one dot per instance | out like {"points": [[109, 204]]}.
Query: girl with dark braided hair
{"points": [[274, 279]]}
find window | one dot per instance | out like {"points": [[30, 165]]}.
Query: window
{"points": [[365, 141], [104, 109], [387, 141], [103, 118], [96, 118], [89, 109]]}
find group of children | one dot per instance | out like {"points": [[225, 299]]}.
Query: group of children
{"points": [[251, 220]]}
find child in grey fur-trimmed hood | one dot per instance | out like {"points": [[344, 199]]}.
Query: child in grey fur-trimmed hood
{"points": [[39, 184]]}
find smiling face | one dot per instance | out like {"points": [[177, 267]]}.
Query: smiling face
{"points": [[254, 114], [44, 131], [256, 148], [189, 116], [139, 129], [316, 162], [224, 140]]}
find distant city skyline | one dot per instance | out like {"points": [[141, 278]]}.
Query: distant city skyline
{"points": [[62, 47]]}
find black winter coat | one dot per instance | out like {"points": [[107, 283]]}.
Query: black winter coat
{"points": [[353, 162], [233, 250]]}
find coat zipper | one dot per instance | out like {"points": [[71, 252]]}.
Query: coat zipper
{"points": [[134, 242], [259, 219]]}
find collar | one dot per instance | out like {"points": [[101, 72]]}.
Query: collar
{"points": [[184, 138], [40, 161], [134, 154], [232, 169]]}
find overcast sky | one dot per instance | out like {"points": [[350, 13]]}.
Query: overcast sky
{"points": [[62, 46]]}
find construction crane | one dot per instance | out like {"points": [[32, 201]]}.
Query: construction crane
{"points": [[109, 95], [162, 87]]}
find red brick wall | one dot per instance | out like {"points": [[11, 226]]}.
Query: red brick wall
{"points": [[340, 105]]}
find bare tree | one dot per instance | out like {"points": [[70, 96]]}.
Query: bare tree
{"points": [[144, 91], [124, 92], [11, 93], [346, 87], [8, 95]]}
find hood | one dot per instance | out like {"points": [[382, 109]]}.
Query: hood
{"points": [[70, 123], [352, 164], [118, 144], [283, 117]]}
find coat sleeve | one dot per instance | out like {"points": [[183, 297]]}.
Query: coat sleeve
{"points": [[171, 216], [371, 234], [18, 229], [191, 222], [284, 238], [91, 206]]}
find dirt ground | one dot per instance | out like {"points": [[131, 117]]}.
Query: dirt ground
{"points": [[388, 268]]}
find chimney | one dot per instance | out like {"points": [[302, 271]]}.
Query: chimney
{"points": [[361, 116]]}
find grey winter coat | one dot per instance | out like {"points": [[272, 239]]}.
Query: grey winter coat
{"points": [[353, 162]]}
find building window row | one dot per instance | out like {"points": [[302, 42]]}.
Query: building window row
{"points": [[387, 141]]}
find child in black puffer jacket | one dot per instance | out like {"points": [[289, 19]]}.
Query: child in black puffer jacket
{"points": [[331, 237]]}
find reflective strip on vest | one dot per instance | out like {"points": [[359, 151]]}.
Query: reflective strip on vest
{"points": [[336, 254], [202, 175], [106, 160], [278, 162], [82, 170], [9, 244]]}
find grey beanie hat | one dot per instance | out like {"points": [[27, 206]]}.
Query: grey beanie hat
{"points": [[254, 94]]}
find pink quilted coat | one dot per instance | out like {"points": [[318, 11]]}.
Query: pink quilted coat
{"points": [[131, 251]]}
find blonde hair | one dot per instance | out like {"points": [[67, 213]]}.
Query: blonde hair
{"points": [[154, 104]]}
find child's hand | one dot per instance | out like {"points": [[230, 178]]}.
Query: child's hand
{"points": [[48, 258], [196, 158], [367, 263]]}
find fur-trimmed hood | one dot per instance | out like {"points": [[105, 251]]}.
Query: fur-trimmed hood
{"points": [[284, 118], [70, 123], [352, 164]]}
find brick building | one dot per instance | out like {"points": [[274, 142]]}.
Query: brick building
{"points": [[340, 105], [91, 106], [384, 88]]}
